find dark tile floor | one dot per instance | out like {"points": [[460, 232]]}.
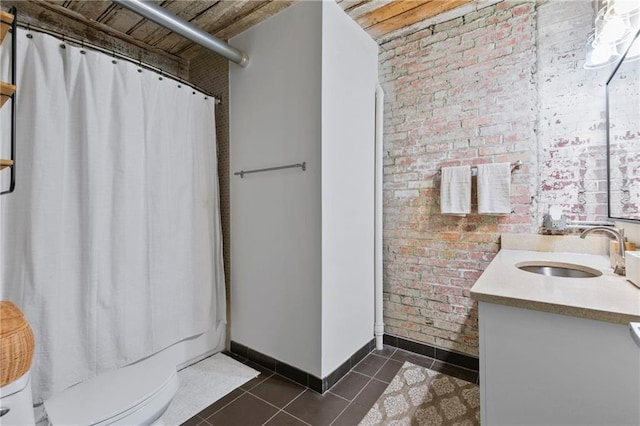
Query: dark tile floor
{"points": [[273, 400]]}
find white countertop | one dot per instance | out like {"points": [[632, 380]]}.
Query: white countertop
{"points": [[609, 297]]}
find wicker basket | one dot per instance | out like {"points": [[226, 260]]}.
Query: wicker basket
{"points": [[16, 343]]}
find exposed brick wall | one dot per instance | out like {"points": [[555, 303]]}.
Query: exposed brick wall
{"points": [[624, 96], [211, 72], [572, 133], [461, 92], [504, 83]]}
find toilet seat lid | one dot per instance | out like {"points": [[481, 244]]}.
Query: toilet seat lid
{"points": [[110, 394]]}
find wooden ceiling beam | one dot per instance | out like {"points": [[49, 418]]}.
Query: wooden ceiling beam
{"points": [[53, 17], [152, 33], [215, 18], [362, 9], [90, 9], [412, 16], [349, 5], [122, 19], [388, 11]]}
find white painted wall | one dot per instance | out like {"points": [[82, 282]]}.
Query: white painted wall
{"points": [[349, 77], [302, 243], [274, 115]]}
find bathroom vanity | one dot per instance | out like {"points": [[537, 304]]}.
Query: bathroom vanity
{"points": [[557, 350]]}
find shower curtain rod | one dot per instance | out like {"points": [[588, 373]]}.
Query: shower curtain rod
{"points": [[64, 38], [164, 18]]}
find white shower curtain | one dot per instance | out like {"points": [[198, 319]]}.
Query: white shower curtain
{"points": [[111, 241]]}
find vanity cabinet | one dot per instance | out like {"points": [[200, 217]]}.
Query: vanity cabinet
{"points": [[541, 368]]}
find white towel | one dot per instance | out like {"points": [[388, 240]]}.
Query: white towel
{"points": [[455, 190], [494, 188]]}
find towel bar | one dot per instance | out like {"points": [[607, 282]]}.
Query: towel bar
{"points": [[474, 170], [303, 166]]}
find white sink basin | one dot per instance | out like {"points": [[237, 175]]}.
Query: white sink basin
{"points": [[559, 269]]}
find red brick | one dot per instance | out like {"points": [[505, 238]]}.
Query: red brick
{"points": [[445, 108]]}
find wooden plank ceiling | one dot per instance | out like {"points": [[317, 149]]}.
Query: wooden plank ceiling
{"points": [[227, 18], [380, 18]]}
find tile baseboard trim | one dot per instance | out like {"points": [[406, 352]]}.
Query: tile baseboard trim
{"points": [[445, 355], [300, 376]]}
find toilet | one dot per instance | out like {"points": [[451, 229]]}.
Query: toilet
{"points": [[134, 395], [16, 406]]}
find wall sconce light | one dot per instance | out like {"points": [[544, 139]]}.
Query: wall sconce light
{"points": [[601, 54], [615, 25]]}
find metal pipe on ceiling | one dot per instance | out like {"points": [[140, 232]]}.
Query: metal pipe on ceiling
{"points": [[164, 18]]}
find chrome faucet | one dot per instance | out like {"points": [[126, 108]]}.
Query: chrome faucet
{"points": [[617, 234]]}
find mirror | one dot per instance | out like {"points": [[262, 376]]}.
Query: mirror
{"points": [[623, 136]]}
